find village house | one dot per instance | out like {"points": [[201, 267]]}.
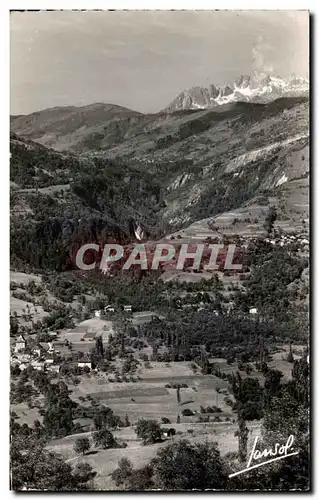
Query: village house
{"points": [[21, 357], [23, 366], [47, 347], [53, 368], [37, 352], [127, 308], [109, 309], [20, 344], [49, 360], [53, 334], [38, 365], [85, 361]]}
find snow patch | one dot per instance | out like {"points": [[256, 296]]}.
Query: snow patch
{"points": [[282, 180]]}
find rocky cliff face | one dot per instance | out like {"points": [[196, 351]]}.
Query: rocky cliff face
{"points": [[256, 88]]}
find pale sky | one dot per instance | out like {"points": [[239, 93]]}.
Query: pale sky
{"points": [[143, 60]]}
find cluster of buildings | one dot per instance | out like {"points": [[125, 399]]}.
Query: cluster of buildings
{"points": [[109, 309], [42, 357], [283, 240], [136, 318]]}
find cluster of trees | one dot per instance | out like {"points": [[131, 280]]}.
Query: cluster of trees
{"points": [[149, 431], [59, 408], [179, 466], [34, 467], [104, 417], [65, 287], [273, 268], [33, 165], [286, 411], [97, 205], [192, 335], [103, 438]]}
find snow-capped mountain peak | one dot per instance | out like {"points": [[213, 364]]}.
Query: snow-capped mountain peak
{"points": [[260, 87]]}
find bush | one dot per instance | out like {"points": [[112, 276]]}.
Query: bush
{"points": [[203, 418], [165, 420], [187, 412], [210, 409]]}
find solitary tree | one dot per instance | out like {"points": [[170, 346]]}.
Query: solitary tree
{"points": [[270, 219], [290, 356], [242, 439], [82, 445], [178, 394], [99, 347]]}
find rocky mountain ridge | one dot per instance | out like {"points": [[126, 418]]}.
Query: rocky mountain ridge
{"points": [[256, 88]]}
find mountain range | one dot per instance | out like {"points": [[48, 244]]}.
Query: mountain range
{"points": [[256, 88], [103, 168]]}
